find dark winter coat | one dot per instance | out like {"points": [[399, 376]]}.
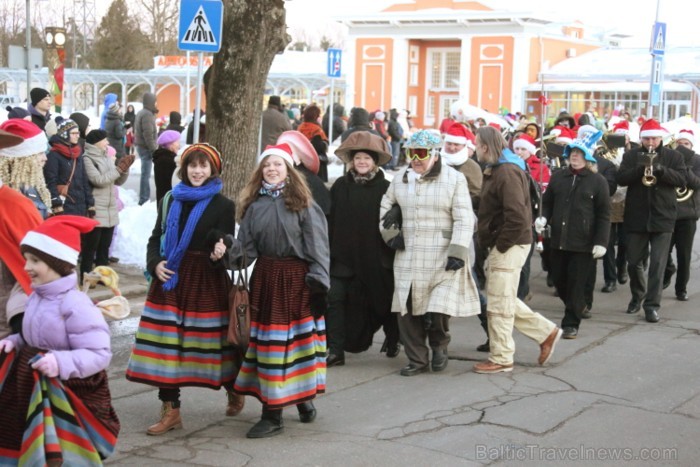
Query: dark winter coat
{"points": [[577, 206], [608, 170], [57, 172], [38, 118], [145, 131], [359, 121], [338, 122], [175, 122], [690, 209], [163, 169], [114, 126], [394, 128], [651, 209], [318, 189], [274, 123]]}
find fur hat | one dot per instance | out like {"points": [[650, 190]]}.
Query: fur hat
{"points": [[366, 142], [38, 94], [282, 150], [32, 139]]}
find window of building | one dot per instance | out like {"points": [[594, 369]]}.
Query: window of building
{"points": [[444, 69], [413, 78], [413, 105]]}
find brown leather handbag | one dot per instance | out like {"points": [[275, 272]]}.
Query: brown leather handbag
{"points": [[63, 189], [239, 310]]}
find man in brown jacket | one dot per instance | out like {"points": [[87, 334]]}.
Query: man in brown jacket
{"points": [[505, 226], [274, 123]]}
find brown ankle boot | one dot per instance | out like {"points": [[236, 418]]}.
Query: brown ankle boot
{"points": [[236, 402], [169, 420]]}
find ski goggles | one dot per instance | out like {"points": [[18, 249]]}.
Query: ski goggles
{"points": [[420, 154]]}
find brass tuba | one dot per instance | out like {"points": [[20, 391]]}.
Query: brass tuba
{"points": [[648, 179], [683, 194]]}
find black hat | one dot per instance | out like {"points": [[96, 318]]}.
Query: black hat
{"points": [[38, 94], [16, 112], [82, 120], [95, 136], [175, 118], [275, 100]]}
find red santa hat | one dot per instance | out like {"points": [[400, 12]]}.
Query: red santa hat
{"points": [[687, 134], [651, 128], [282, 150], [58, 238], [460, 134], [495, 125], [621, 127], [34, 142], [563, 134], [525, 141]]}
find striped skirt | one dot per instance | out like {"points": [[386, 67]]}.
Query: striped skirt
{"points": [[181, 338], [46, 421], [285, 363]]}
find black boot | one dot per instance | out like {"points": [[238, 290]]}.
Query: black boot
{"points": [[307, 412], [270, 424]]}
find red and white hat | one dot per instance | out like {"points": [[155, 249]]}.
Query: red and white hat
{"points": [[59, 237], [622, 127], [563, 134], [282, 150], [686, 134], [460, 134], [34, 139], [651, 129], [525, 141]]}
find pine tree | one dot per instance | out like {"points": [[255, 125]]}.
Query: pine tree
{"points": [[119, 43]]}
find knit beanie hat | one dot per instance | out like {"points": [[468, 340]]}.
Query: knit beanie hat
{"points": [[210, 151], [64, 127], [57, 241], [83, 122], [95, 136], [35, 141], [38, 94], [16, 112]]}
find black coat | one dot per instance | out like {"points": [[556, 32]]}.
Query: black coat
{"points": [[57, 171], [690, 209], [163, 169], [578, 209], [651, 209], [609, 171], [319, 192]]}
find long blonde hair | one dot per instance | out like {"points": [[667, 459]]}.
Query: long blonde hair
{"points": [[296, 193], [25, 172]]}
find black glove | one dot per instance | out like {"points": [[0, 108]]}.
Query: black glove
{"points": [[392, 217], [659, 170], [315, 286], [397, 242], [319, 304], [454, 264], [91, 212]]}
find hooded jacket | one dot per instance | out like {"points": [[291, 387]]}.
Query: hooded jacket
{"points": [[103, 175], [114, 126], [145, 131]]}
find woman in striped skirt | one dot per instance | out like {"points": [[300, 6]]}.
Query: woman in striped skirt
{"points": [[286, 232], [181, 339]]}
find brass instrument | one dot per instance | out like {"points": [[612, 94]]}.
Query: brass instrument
{"points": [[648, 179], [683, 194]]}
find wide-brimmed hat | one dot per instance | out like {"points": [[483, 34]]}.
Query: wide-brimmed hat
{"points": [[363, 141], [302, 150]]}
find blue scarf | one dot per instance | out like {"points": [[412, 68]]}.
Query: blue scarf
{"points": [[175, 247]]}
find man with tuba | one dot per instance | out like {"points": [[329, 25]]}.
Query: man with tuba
{"points": [[688, 213], [651, 174]]}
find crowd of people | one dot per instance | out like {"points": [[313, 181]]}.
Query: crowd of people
{"points": [[450, 234]]}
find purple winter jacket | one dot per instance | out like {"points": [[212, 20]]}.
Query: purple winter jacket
{"points": [[62, 319]]}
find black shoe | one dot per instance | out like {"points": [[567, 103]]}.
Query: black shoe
{"points": [[683, 296], [113, 259], [485, 347], [412, 370], [633, 308], [550, 282], [393, 351], [307, 412], [622, 276], [651, 316], [569, 333], [609, 287], [667, 282], [335, 360], [439, 361], [586, 313], [269, 425]]}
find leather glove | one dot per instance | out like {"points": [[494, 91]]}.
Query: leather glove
{"points": [[57, 211], [540, 224], [397, 242], [91, 212], [454, 264], [47, 365], [125, 162], [392, 217], [7, 346], [319, 304], [659, 170], [315, 286], [599, 251]]}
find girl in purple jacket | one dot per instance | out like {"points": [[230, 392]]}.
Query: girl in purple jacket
{"points": [[65, 344]]}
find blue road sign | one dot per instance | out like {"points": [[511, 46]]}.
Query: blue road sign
{"points": [[200, 27], [333, 65], [657, 78], [658, 39]]}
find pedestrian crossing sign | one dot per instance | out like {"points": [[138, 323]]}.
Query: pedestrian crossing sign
{"points": [[200, 23]]}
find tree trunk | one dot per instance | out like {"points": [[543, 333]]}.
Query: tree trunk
{"points": [[253, 33]]}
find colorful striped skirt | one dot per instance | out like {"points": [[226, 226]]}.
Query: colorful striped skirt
{"points": [[181, 338], [46, 421], [285, 363]]}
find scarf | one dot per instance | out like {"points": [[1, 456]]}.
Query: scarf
{"points": [[175, 247], [310, 129], [508, 157], [271, 189], [363, 179], [456, 159], [71, 152]]}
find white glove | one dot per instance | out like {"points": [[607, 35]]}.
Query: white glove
{"points": [[47, 365], [599, 251], [540, 224], [6, 345]]}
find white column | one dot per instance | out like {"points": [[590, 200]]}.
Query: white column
{"points": [[348, 72], [465, 67], [521, 72], [399, 74]]}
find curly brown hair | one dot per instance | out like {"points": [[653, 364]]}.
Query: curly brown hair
{"points": [[296, 193]]}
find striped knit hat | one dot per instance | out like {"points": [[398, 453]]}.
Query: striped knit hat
{"points": [[210, 151], [64, 127]]}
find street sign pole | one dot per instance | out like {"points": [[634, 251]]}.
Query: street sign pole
{"points": [[333, 62], [330, 118], [657, 48], [198, 108]]}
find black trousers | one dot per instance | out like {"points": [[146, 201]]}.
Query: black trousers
{"points": [[682, 239], [524, 284], [643, 246], [615, 258], [571, 270], [95, 248]]}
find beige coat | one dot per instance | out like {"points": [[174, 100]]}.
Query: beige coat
{"points": [[103, 175], [438, 222]]}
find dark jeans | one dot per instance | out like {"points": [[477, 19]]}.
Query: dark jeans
{"points": [[524, 284], [643, 246], [682, 239], [95, 248], [146, 157], [613, 262], [571, 270]]}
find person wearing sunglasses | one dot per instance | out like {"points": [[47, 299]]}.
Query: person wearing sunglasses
{"points": [[427, 205]]}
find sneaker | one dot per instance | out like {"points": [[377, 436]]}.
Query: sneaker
{"points": [[489, 367], [547, 347], [569, 333], [586, 313]]}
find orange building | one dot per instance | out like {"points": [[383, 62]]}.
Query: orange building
{"points": [[423, 55]]}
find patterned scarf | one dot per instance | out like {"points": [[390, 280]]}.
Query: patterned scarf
{"points": [[175, 247], [363, 179], [272, 189]]}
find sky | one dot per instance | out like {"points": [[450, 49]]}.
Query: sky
{"points": [[632, 17]]}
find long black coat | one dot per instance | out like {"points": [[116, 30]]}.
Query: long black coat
{"points": [[578, 209], [690, 209], [651, 209]]}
